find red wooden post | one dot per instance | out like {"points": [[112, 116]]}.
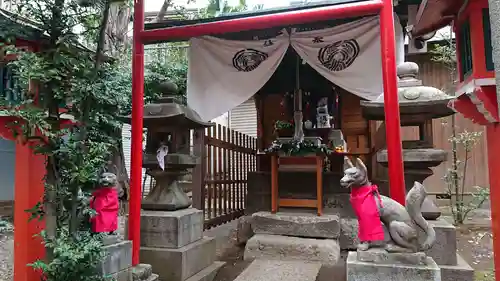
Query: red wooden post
{"points": [[134, 229], [391, 104], [492, 137], [29, 190]]}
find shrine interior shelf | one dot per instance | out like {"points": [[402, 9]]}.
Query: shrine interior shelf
{"points": [[315, 161]]}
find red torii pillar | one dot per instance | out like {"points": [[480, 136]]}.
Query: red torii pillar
{"points": [[29, 190], [141, 37]]}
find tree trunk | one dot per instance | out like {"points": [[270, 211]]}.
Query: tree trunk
{"points": [[116, 30], [115, 44], [117, 166]]}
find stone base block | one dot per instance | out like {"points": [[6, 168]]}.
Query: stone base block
{"points": [[460, 272], [444, 249], [272, 270], [367, 271], [171, 229], [334, 273], [381, 256], [141, 272], [207, 274], [286, 248], [296, 224], [119, 258], [124, 275], [180, 264]]}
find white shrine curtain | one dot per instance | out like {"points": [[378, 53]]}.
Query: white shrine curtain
{"points": [[348, 55], [225, 73]]}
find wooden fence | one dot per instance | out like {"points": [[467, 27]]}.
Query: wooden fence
{"points": [[220, 182]]}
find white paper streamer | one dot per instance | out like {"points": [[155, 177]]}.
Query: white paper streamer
{"points": [[160, 156]]}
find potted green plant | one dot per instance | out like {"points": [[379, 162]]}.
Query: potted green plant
{"points": [[283, 128]]}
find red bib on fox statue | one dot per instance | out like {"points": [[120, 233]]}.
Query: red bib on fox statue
{"points": [[106, 204], [366, 209]]}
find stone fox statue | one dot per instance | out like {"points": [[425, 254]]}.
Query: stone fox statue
{"points": [[105, 202], [371, 208]]}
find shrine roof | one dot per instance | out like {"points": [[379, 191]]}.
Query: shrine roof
{"points": [[401, 9], [435, 14], [18, 26]]}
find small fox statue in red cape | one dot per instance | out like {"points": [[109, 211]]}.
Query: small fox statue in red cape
{"points": [[106, 204]]}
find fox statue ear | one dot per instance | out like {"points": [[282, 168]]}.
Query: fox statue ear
{"points": [[360, 165], [348, 162]]}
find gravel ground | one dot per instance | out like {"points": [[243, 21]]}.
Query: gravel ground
{"points": [[6, 256]]}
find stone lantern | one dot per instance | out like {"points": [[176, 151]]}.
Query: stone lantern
{"points": [[171, 229], [167, 156], [418, 106]]}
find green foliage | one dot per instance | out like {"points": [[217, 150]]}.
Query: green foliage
{"points": [[74, 254], [6, 226], [61, 84], [157, 72], [219, 7], [455, 177], [298, 148], [65, 82], [279, 124]]}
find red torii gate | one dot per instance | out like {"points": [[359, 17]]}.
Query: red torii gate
{"points": [[370, 7]]}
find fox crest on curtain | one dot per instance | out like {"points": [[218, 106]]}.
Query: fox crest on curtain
{"points": [[230, 72]]}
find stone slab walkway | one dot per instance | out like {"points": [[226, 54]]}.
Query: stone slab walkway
{"points": [[265, 270]]}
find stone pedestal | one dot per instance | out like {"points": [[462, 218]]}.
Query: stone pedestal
{"points": [[444, 252], [390, 267], [167, 194], [173, 243], [445, 248], [118, 262]]}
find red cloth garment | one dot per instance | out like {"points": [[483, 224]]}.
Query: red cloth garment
{"points": [[364, 205], [105, 203]]}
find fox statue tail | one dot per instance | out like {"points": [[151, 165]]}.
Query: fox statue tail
{"points": [[414, 200]]}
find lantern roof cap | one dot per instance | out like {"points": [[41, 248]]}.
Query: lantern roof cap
{"points": [[169, 113], [414, 99]]}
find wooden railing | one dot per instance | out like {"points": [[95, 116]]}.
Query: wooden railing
{"points": [[220, 182]]}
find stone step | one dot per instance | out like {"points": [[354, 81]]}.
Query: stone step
{"points": [[207, 274], [287, 248], [141, 272], [273, 270], [296, 224], [460, 272]]}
